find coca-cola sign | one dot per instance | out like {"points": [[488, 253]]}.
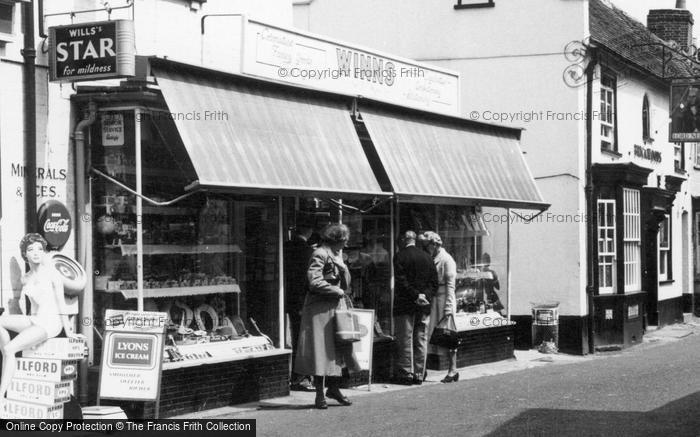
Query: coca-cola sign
{"points": [[55, 223]]}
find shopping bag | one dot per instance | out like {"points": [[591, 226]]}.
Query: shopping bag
{"points": [[347, 327], [445, 333]]}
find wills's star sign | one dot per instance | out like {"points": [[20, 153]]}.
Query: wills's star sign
{"points": [[91, 51]]}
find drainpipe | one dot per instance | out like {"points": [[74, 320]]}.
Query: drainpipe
{"points": [[82, 225], [29, 78], [590, 204]]}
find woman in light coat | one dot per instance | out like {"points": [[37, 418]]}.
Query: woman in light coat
{"points": [[444, 302], [328, 281]]}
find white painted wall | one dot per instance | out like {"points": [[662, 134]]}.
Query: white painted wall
{"points": [[511, 60]]}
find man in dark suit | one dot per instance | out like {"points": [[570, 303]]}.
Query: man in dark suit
{"points": [[416, 282], [296, 261]]}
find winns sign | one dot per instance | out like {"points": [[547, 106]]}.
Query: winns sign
{"points": [[90, 51]]}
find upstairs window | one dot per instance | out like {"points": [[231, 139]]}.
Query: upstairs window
{"points": [[607, 113], [678, 155], [646, 120], [7, 14]]}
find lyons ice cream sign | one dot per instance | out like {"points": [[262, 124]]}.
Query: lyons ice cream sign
{"points": [[92, 51]]}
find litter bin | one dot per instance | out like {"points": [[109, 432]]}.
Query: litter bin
{"points": [[545, 324]]}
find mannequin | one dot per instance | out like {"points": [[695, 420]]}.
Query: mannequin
{"points": [[44, 288]]}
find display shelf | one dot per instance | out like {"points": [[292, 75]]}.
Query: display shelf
{"points": [[168, 249], [178, 291]]}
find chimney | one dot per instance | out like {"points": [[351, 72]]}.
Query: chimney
{"points": [[672, 24]]}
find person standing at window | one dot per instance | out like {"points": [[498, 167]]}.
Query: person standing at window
{"points": [[444, 303], [297, 253], [328, 281], [416, 284]]}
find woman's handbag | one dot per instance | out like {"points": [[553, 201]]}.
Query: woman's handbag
{"points": [[445, 333], [347, 326]]}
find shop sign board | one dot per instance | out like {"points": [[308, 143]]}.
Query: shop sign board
{"points": [[319, 62], [363, 349], [132, 355], [89, 51], [112, 129], [44, 369], [685, 111], [55, 223]]}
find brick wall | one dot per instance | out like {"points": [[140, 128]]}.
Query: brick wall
{"points": [[210, 386], [479, 346], [672, 25]]}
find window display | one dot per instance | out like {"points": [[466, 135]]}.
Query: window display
{"points": [[476, 238], [209, 260]]}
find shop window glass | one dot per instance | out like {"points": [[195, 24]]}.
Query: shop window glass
{"points": [[632, 239], [606, 245], [477, 240], [210, 261], [607, 113], [665, 249]]}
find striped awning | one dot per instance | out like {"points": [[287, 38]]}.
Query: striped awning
{"points": [[446, 160], [251, 137]]}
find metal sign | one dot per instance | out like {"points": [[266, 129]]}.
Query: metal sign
{"points": [[91, 51], [55, 223], [132, 356], [685, 111]]}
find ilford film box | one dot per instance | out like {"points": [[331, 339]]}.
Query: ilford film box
{"points": [[44, 369], [39, 392], [58, 348], [26, 410]]}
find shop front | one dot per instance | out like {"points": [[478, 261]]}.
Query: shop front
{"points": [[198, 180]]}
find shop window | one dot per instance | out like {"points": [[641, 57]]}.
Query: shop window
{"points": [[211, 261], [608, 131], [606, 245], [631, 239], [665, 249], [678, 154], [477, 240], [646, 120]]}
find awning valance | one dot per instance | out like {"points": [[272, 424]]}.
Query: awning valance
{"points": [[442, 160], [250, 137]]}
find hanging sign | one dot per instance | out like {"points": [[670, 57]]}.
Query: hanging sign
{"points": [[685, 111], [89, 51], [132, 356]]}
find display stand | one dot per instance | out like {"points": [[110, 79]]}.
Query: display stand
{"points": [[132, 356]]}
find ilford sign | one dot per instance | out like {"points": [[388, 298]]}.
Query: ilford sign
{"points": [[91, 51]]}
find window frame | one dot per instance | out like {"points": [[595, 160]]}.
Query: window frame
{"points": [[10, 36], [607, 258], [608, 111], [631, 239], [664, 251], [486, 4], [679, 164]]}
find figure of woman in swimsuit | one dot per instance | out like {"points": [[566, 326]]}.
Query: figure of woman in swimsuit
{"points": [[44, 288]]}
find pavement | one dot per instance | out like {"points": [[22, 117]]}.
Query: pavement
{"points": [[524, 360]]}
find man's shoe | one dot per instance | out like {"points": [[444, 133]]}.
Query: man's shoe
{"points": [[306, 385], [417, 380]]}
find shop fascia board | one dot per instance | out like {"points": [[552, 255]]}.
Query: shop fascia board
{"points": [[286, 86]]}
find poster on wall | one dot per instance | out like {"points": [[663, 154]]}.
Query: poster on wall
{"points": [[685, 111], [132, 355]]}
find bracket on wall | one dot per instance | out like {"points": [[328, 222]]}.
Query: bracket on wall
{"points": [[461, 5]]}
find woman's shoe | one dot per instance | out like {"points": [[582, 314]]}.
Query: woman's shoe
{"points": [[453, 378], [321, 402], [338, 396]]}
